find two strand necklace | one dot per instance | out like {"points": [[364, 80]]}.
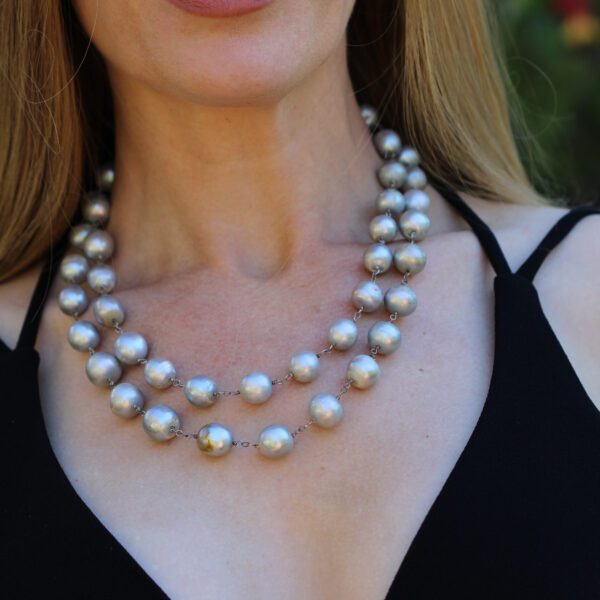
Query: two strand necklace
{"points": [[401, 219]]}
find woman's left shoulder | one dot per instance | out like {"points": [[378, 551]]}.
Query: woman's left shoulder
{"points": [[567, 282], [568, 285]]}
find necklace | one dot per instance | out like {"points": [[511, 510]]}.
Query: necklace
{"points": [[401, 208]]}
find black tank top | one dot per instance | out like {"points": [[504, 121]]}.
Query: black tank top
{"points": [[518, 517]]}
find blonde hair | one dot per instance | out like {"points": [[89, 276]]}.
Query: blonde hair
{"points": [[431, 68]]}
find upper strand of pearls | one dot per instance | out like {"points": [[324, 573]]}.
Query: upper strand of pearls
{"points": [[400, 218]]}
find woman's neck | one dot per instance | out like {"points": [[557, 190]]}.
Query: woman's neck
{"points": [[243, 189]]}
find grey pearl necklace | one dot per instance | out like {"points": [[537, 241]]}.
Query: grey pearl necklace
{"points": [[401, 208]]}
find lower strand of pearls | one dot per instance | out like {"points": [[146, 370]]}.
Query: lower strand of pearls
{"points": [[401, 209]]}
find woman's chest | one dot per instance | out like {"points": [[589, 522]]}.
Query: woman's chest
{"points": [[332, 519]]}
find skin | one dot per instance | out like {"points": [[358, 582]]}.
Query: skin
{"points": [[245, 185]]}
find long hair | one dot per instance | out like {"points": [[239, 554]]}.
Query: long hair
{"points": [[432, 68]]}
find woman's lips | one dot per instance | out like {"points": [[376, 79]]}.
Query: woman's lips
{"points": [[220, 8]]}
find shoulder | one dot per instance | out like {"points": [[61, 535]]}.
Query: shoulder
{"points": [[568, 281], [15, 295]]}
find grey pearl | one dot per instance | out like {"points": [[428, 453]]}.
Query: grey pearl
{"points": [[400, 299], [102, 279], [126, 400], [383, 228], [130, 348], [201, 391], [392, 174], [103, 369], [256, 387], [275, 441], [78, 234], [377, 258], [390, 200], [409, 157], [416, 179], [99, 245], [83, 335], [96, 208], [409, 258], [325, 410], [367, 295], [369, 114], [108, 311], [159, 373], [105, 177], [343, 334], [72, 300], [414, 225], [215, 439], [385, 336], [417, 200], [363, 371], [74, 268], [304, 366], [161, 422], [387, 143]]}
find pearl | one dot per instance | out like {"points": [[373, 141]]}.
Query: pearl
{"points": [[343, 334], [414, 225], [416, 179], [96, 208], [130, 348], [200, 391], [325, 410], [72, 300], [409, 258], [417, 200], [78, 234], [159, 373], [161, 422], [105, 177], [409, 157], [304, 366], [391, 174], [377, 258], [83, 335], [102, 279], [98, 245], [385, 336], [275, 441], [215, 439], [256, 387], [74, 268], [126, 400], [390, 200], [369, 114], [103, 369], [387, 143], [383, 228], [368, 296], [400, 299], [108, 311], [363, 371]]}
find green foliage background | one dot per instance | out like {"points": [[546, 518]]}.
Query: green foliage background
{"points": [[557, 82]]}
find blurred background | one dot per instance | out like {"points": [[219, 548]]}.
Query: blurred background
{"points": [[552, 49]]}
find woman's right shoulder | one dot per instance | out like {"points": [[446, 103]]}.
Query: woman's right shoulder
{"points": [[15, 295]]}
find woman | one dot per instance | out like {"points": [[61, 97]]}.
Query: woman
{"points": [[244, 188]]}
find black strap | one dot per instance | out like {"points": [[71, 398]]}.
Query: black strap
{"points": [[558, 232], [485, 235], [33, 317]]}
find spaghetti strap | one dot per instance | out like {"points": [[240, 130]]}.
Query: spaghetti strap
{"points": [[485, 235], [33, 317], [558, 232]]}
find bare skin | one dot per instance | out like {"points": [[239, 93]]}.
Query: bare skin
{"points": [[240, 232]]}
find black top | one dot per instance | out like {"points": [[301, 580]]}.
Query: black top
{"points": [[518, 517]]}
